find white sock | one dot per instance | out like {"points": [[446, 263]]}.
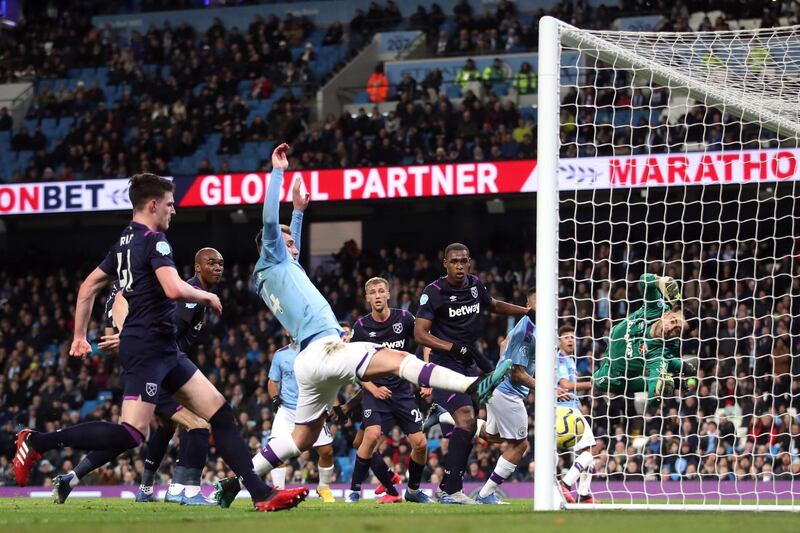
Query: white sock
{"points": [[278, 476], [446, 418], [439, 377], [480, 423], [581, 464], [283, 448], [175, 488], [73, 482], [585, 481], [191, 490], [502, 471], [325, 476]]}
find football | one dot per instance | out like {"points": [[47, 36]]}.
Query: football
{"points": [[569, 427]]}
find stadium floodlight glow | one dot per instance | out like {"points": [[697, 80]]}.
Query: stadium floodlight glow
{"points": [[607, 98]]}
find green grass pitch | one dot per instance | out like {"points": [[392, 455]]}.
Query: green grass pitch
{"points": [[99, 516]]}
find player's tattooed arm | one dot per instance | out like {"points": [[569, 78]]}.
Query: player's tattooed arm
{"points": [[519, 376], [274, 391], [89, 289]]}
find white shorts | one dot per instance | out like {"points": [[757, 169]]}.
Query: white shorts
{"points": [[506, 416], [587, 440], [323, 368], [283, 425]]}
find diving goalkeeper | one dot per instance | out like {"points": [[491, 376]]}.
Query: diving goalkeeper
{"points": [[644, 349]]}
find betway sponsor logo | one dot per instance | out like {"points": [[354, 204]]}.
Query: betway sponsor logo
{"points": [[394, 344], [464, 310]]}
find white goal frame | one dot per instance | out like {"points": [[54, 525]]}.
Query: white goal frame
{"points": [[552, 34]]}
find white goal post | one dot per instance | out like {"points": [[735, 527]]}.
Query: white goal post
{"points": [[673, 154]]}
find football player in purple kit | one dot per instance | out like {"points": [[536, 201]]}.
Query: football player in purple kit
{"points": [[389, 401], [447, 322], [141, 260], [190, 319]]}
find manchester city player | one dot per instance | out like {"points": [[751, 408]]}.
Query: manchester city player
{"points": [[141, 260], [283, 391], [388, 402], [325, 362], [586, 447], [448, 322]]}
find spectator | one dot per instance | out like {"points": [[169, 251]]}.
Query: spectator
{"points": [[6, 123], [333, 35], [525, 81], [433, 83], [494, 73], [467, 74], [378, 85], [261, 88]]}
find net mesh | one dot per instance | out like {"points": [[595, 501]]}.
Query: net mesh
{"points": [[655, 180]]}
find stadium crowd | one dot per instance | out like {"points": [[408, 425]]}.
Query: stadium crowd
{"points": [[180, 88], [740, 422]]}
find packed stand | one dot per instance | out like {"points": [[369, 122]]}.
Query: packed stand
{"points": [[747, 369]]}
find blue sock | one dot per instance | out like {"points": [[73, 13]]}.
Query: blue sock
{"points": [[157, 446], [455, 463], [360, 471], [383, 473], [94, 460], [192, 455], [234, 451]]}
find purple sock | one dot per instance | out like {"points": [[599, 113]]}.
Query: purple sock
{"points": [[157, 446], [414, 474], [234, 451], [94, 460], [383, 473], [89, 436], [455, 463], [360, 471], [194, 448]]}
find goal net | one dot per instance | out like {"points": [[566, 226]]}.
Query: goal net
{"points": [[671, 156]]}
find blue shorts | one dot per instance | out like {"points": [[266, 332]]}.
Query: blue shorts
{"points": [[154, 375], [400, 410]]}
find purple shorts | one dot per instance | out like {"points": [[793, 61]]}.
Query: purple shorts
{"points": [[400, 410], [154, 377]]}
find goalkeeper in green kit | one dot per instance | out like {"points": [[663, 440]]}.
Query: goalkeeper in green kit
{"points": [[644, 349]]}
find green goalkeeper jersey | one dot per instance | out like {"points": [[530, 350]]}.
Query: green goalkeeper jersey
{"points": [[631, 338]]}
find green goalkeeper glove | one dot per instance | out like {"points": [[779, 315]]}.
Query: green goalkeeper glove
{"points": [[669, 289]]}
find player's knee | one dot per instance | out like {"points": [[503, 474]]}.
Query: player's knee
{"points": [[371, 436], [325, 453], [418, 442]]}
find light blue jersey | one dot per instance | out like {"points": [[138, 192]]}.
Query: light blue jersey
{"points": [[565, 369], [521, 349], [281, 281], [282, 371]]}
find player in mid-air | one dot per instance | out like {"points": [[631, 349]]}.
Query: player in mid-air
{"points": [[325, 362], [189, 319], [644, 348], [388, 402], [448, 322], [141, 260], [282, 387], [586, 447]]}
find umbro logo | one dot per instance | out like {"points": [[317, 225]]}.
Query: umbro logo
{"points": [[373, 334], [453, 298]]}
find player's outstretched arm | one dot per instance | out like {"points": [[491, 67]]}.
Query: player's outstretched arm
{"points": [[272, 240], [92, 285], [177, 289], [505, 308], [300, 203]]}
